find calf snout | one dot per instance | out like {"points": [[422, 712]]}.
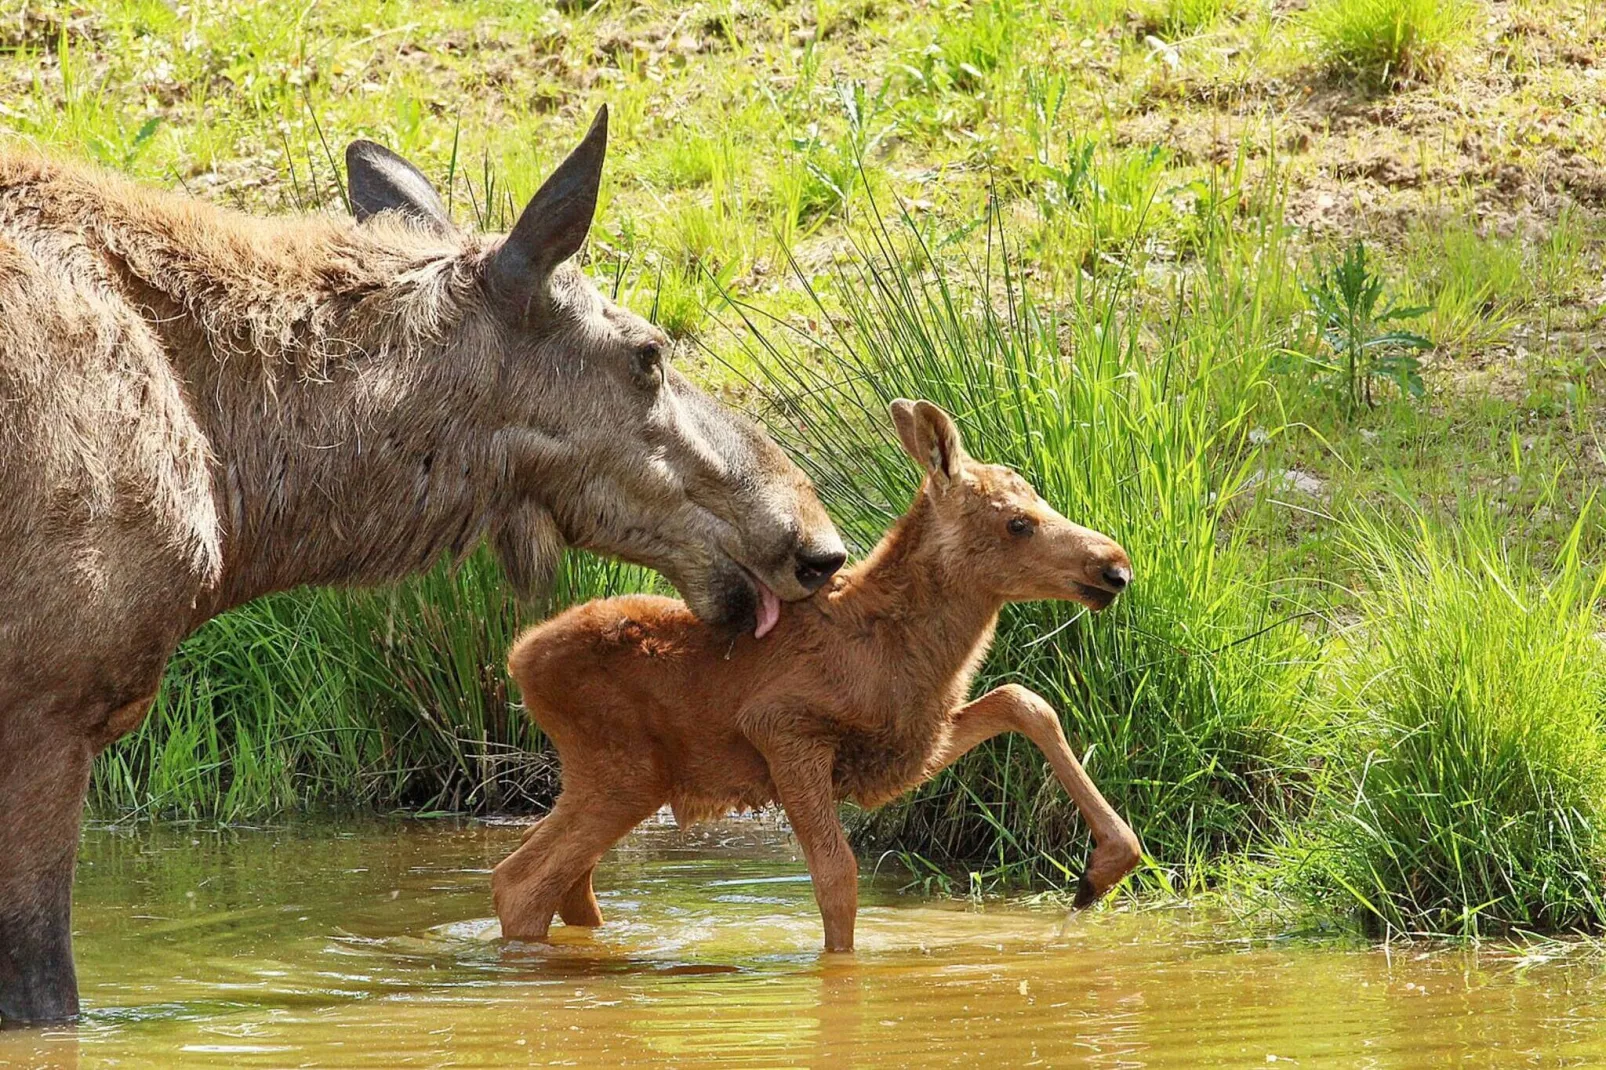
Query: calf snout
{"points": [[1107, 571], [1111, 569], [1117, 575], [816, 566]]}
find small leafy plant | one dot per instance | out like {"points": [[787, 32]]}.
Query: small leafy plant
{"points": [[1354, 319]]}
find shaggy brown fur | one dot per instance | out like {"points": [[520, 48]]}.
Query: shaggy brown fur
{"points": [[198, 407], [859, 694]]}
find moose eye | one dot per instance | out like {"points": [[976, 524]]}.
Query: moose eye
{"points": [[650, 362], [1020, 525]]}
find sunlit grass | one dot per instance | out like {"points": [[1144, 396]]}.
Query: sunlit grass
{"points": [[1473, 691], [1187, 698], [1391, 41]]}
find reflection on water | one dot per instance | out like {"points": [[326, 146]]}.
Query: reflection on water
{"points": [[370, 945]]}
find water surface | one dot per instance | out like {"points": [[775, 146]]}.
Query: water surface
{"points": [[371, 944]]}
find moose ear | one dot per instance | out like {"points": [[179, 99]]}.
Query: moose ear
{"points": [[553, 225], [381, 181], [930, 436]]}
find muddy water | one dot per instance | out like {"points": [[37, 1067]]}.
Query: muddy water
{"points": [[371, 945]]}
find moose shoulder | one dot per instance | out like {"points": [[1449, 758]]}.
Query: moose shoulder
{"points": [[198, 407]]}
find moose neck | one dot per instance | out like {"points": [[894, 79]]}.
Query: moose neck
{"points": [[339, 374], [907, 585]]}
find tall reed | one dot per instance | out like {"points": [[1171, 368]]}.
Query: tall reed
{"points": [[339, 698], [1188, 698]]}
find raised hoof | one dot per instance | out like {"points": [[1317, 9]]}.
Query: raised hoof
{"points": [[1086, 893]]}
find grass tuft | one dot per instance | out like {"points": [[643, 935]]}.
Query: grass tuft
{"points": [[1390, 42], [1474, 801]]}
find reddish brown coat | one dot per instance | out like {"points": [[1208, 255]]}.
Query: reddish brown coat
{"points": [[858, 692]]}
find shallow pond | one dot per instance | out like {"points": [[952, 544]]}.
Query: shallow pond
{"points": [[371, 945]]}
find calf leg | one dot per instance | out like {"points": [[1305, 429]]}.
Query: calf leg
{"points": [[579, 904], [44, 775], [535, 881], [803, 782], [1013, 708]]}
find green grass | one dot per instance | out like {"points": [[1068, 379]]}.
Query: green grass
{"points": [[1175, 19], [1389, 42], [1475, 286], [1473, 793]]}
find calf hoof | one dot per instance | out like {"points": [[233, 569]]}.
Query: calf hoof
{"points": [[520, 921], [1109, 863], [583, 916], [525, 930]]}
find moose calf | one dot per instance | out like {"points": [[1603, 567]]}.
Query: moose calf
{"points": [[859, 693]]}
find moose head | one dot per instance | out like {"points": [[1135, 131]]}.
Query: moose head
{"points": [[605, 445]]}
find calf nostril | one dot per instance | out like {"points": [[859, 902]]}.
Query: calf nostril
{"points": [[1117, 576], [813, 569]]}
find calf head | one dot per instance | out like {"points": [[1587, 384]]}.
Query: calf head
{"points": [[993, 530], [604, 444]]}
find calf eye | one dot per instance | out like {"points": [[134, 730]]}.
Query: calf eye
{"points": [[1020, 525]]}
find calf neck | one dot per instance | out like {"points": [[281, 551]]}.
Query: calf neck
{"points": [[859, 692]]}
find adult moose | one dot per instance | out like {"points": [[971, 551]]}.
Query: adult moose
{"points": [[198, 408]]}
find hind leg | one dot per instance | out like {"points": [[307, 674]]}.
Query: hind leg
{"points": [[552, 868], [579, 905]]}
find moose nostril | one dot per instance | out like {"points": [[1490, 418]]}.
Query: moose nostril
{"points": [[1117, 576], [813, 569]]}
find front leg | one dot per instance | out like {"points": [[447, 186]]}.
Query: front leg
{"points": [[802, 775], [1013, 708], [44, 774]]}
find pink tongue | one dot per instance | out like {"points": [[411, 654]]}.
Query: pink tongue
{"points": [[769, 611]]}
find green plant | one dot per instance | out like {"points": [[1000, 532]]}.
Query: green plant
{"points": [[1473, 284], [1183, 18], [1561, 254], [1474, 797], [974, 40], [1352, 321], [1387, 42], [825, 170], [1186, 698]]}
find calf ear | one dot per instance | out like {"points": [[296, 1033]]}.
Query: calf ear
{"points": [[380, 181], [930, 436], [553, 225]]}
